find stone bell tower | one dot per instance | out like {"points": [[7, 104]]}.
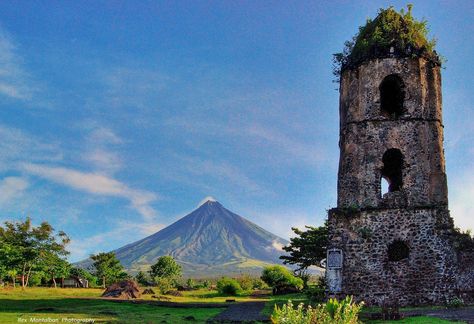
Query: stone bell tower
{"points": [[389, 237]]}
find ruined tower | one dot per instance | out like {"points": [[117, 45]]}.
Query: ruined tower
{"points": [[390, 237]]}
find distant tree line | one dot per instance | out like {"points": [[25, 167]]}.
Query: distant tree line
{"points": [[32, 256]]}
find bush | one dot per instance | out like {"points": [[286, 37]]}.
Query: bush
{"points": [[143, 279], [206, 284], [317, 292], [280, 279], [245, 282], [455, 303], [36, 278], [228, 286], [333, 312], [164, 285], [190, 283], [259, 284]]}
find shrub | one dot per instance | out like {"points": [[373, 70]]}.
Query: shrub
{"points": [[36, 278], [142, 278], [317, 292], [259, 284], [333, 312], [164, 285], [288, 314], [206, 284], [280, 279], [228, 286], [190, 283], [245, 282], [455, 303], [390, 29]]}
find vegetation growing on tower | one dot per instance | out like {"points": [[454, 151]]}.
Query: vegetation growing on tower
{"points": [[391, 33]]}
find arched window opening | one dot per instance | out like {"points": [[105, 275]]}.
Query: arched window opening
{"points": [[392, 95], [392, 169], [384, 186], [398, 250]]}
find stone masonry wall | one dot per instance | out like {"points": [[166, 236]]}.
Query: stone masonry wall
{"points": [[365, 134], [415, 215], [428, 276]]}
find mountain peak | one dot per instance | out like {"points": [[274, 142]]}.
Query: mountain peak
{"points": [[209, 241], [207, 200]]}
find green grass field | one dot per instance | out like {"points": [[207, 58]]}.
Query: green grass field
{"points": [[417, 320], [65, 305], [50, 305]]}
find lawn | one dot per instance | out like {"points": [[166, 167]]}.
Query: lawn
{"points": [[417, 320], [58, 305], [65, 305]]}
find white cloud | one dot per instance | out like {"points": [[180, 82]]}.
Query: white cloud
{"points": [[14, 81], [18, 146], [278, 246], [205, 200], [11, 188], [103, 135], [103, 160], [96, 184]]}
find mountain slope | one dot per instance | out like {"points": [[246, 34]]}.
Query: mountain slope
{"points": [[210, 240]]}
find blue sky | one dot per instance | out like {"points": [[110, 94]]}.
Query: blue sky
{"points": [[119, 117]]}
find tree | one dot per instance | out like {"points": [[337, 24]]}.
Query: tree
{"points": [[280, 279], [307, 248], [55, 267], [142, 278], [23, 246], [166, 267], [108, 267], [82, 273]]}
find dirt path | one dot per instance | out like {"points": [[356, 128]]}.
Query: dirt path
{"points": [[247, 312]]}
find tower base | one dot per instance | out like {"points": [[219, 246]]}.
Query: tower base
{"points": [[403, 256]]}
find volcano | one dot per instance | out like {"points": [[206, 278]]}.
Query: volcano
{"points": [[210, 241]]}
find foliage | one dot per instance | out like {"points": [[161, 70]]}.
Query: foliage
{"points": [[246, 282], [455, 303], [163, 284], [83, 273], [142, 278], [463, 241], [398, 31], [166, 267], [36, 278], [190, 283], [333, 312], [365, 232], [108, 268], [278, 276], [25, 248], [308, 247], [317, 292], [228, 286], [288, 314], [259, 284], [55, 267], [206, 284]]}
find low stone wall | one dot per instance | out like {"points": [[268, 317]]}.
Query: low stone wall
{"points": [[428, 275], [465, 276]]}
